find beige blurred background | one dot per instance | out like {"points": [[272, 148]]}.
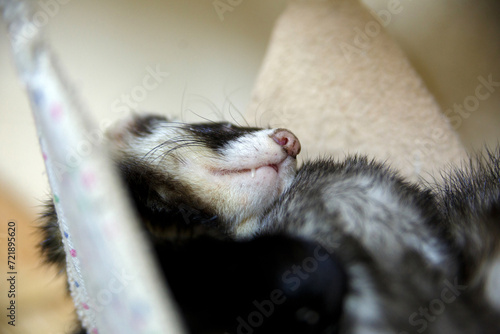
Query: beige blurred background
{"points": [[107, 48]]}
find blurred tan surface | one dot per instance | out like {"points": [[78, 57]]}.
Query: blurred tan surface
{"points": [[451, 44], [42, 305], [343, 86]]}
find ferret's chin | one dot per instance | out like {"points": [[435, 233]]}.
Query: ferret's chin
{"points": [[267, 182], [262, 192], [265, 178]]}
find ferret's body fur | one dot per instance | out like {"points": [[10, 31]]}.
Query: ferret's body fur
{"points": [[417, 259]]}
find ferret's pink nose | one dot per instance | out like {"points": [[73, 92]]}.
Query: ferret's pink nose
{"points": [[287, 140]]}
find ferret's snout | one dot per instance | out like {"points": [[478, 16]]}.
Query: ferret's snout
{"points": [[288, 141]]}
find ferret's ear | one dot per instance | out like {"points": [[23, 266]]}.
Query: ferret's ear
{"points": [[118, 133], [136, 125]]}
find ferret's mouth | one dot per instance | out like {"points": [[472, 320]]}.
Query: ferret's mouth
{"points": [[273, 166], [252, 171]]}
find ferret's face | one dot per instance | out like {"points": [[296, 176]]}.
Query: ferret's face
{"points": [[233, 172]]}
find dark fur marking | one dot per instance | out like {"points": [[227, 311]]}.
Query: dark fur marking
{"points": [[218, 135], [51, 245]]}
